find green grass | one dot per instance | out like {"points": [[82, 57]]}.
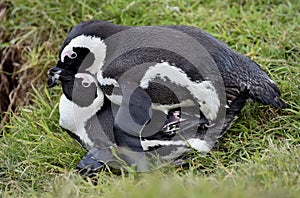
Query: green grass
{"points": [[260, 154]]}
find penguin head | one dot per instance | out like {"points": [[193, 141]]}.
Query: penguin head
{"points": [[82, 89], [85, 89], [84, 50], [82, 54]]}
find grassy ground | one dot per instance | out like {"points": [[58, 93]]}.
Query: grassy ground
{"points": [[260, 154]]}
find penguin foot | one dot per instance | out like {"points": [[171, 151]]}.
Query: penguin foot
{"points": [[182, 161], [172, 124], [204, 123], [170, 129], [93, 161]]}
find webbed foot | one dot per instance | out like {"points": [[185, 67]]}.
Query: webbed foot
{"points": [[94, 160]]}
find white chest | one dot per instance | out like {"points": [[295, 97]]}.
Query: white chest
{"points": [[74, 117]]}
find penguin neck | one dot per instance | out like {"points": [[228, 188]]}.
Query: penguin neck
{"points": [[81, 96]]}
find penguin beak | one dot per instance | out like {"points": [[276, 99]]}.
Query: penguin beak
{"points": [[54, 74]]}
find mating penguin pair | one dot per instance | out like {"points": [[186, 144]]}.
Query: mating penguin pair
{"points": [[139, 87]]}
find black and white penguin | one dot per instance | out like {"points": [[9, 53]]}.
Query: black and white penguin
{"points": [[110, 51], [84, 117]]}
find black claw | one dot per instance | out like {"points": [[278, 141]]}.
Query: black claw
{"points": [[89, 165]]}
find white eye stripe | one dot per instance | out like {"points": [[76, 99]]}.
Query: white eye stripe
{"points": [[94, 44], [87, 79], [85, 84], [71, 54], [204, 92]]}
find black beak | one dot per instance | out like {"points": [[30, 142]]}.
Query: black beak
{"points": [[54, 74]]}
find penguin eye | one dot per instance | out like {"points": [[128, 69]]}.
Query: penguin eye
{"points": [[73, 55], [68, 54], [85, 84]]}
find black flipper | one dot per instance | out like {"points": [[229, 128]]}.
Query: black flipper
{"points": [[133, 114], [234, 110]]}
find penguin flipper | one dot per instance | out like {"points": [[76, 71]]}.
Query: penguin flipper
{"points": [[133, 114], [234, 110]]}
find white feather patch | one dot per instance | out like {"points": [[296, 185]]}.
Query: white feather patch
{"points": [[166, 108], [117, 99], [195, 143], [106, 81], [94, 44], [74, 117], [204, 92], [86, 78]]}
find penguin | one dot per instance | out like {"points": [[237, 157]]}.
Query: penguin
{"points": [[85, 119], [141, 70]]}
